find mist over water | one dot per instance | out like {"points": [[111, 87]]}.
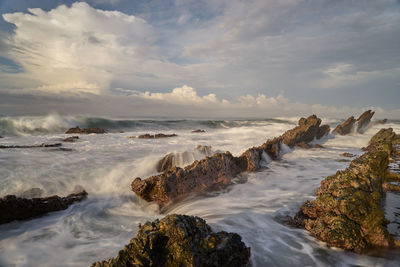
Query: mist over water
{"points": [[105, 165]]}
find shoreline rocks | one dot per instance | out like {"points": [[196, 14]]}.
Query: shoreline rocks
{"points": [[70, 139], [77, 130], [181, 240], [155, 136], [219, 170], [18, 208], [347, 212], [32, 146], [360, 125]]}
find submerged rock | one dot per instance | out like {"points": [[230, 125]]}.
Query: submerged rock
{"points": [[219, 170], [381, 121], [175, 159], [32, 146], [347, 212], [346, 127], [180, 240], [17, 208], [71, 139], [348, 155], [198, 131], [77, 130], [156, 136]]}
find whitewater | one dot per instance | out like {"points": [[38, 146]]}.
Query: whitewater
{"points": [[106, 164]]}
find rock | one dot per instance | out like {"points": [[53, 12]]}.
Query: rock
{"points": [[77, 130], [177, 183], [159, 135], [16, 208], [1, 136], [198, 131], [364, 121], [32, 193], [32, 146], [319, 146], [381, 121], [348, 155], [347, 212], [71, 139], [176, 159], [180, 240], [346, 127], [219, 170]]}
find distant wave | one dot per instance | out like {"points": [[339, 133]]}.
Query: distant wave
{"points": [[55, 124]]}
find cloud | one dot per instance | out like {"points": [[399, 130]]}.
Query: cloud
{"points": [[237, 54], [78, 45]]}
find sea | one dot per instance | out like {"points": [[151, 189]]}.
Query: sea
{"points": [[105, 165]]}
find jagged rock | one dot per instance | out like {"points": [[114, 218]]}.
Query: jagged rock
{"points": [[32, 193], [346, 127], [77, 130], [364, 120], [175, 159], [348, 155], [198, 131], [177, 183], [218, 170], [347, 212], [180, 240], [32, 146], [71, 139], [156, 136], [16, 208]]}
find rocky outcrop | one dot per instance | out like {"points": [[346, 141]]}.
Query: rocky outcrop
{"points": [[346, 127], [360, 125], [347, 212], [219, 170], [156, 136], [364, 121], [180, 240], [77, 130], [17, 208], [175, 159], [71, 139], [198, 131], [32, 146]]}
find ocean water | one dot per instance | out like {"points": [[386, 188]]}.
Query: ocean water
{"points": [[105, 165]]}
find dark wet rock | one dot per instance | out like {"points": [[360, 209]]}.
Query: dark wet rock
{"points": [[347, 212], [198, 131], [1, 136], [175, 159], [348, 155], [71, 139], [180, 240], [32, 193], [363, 122], [319, 146], [77, 130], [31, 146], [156, 136], [16, 208], [346, 127], [219, 170]]}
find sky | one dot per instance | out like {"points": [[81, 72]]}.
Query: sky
{"points": [[200, 58]]}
